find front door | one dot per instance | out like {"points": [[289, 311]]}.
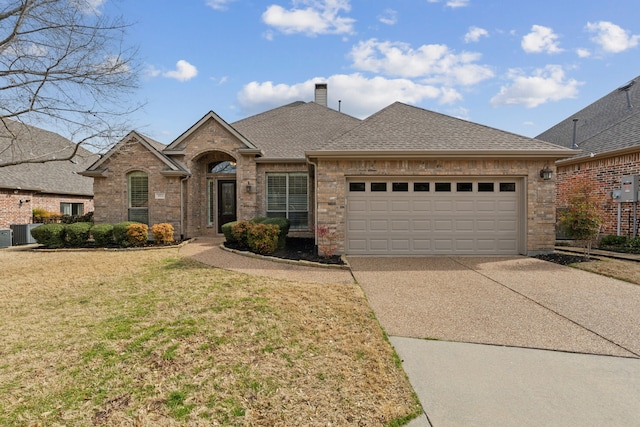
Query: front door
{"points": [[226, 203]]}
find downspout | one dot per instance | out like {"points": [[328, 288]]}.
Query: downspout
{"points": [[315, 204], [182, 181]]}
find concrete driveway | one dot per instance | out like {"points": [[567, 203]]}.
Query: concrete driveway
{"points": [[509, 340]]}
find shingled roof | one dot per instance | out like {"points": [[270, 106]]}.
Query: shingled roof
{"points": [[608, 124], [405, 129], [19, 141], [289, 131]]}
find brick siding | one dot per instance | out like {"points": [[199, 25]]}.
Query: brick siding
{"points": [[13, 212], [605, 175]]}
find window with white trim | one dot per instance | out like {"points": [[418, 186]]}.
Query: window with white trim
{"points": [[288, 197], [138, 195], [71, 208]]}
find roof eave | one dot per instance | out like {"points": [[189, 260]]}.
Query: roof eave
{"points": [[94, 173], [597, 156], [404, 154], [280, 160], [175, 173]]}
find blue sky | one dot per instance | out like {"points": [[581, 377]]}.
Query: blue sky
{"points": [[520, 66]]}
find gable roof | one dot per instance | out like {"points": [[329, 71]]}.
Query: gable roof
{"points": [[154, 147], [287, 132], [19, 141], [209, 116], [611, 123], [405, 130]]}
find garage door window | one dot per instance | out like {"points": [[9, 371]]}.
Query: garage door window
{"points": [[357, 186], [378, 186], [400, 186], [443, 187], [485, 187], [288, 197], [420, 186], [463, 187], [508, 187]]}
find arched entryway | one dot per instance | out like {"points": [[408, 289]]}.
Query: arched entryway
{"points": [[221, 193], [215, 192]]}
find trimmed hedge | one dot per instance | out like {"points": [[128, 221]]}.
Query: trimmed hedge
{"points": [[283, 225], [49, 235], [102, 234], [77, 233], [120, 233], [227, 230]]}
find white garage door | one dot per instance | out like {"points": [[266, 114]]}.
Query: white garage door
{"points": [[432, 217]]}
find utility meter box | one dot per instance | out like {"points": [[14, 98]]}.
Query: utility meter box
{"points": [[629, 188]]}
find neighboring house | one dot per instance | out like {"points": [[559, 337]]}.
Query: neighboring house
{"points": [[55, 186], [404, 181], [607, 133]]}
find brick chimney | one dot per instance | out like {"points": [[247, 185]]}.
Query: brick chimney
{"points": [[321, 94]]}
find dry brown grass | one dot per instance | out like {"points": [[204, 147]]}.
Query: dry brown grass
{"points": [[151, 339], [629, 271]]}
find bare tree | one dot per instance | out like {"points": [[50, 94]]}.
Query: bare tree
{"points": [[63, 66]]}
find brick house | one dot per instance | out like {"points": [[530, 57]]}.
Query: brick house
{"points": [[607, 133], [403, 181], [55, 186]]}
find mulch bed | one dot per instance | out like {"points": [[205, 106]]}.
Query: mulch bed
{"points": [[299, 249], [563, 259]]}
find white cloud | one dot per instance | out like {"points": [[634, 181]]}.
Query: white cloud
{"points": [[612, 38], [88, 6], [435, 62], [360, 96], [454, 4], [541, 39], [583, 53], [545, 85], [318, 17], [219, 4], [183, 72], [389, 17], [474, 34], [457, 3]]}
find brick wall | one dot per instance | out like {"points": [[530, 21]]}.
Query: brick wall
{"points": [[540, 195], [605, 175], [110, 193], [14, 212]]}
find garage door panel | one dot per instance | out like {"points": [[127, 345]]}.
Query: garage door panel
{"points": [[357, 206], [400, 206], [400, 225], [378, 225], [429, 222]]}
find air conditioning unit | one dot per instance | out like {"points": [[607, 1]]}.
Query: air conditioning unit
{"points": [[22, 234], [5, 238]]}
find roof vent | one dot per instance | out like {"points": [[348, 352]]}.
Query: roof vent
{"points": [[625, 89], [321, 94]]}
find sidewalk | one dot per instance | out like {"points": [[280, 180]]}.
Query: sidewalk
{"points": [[596, 252]]}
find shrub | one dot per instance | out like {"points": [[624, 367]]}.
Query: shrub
{"points": [[327, 243], [633, 245], [228, 233], [102, 234], [283, 224], [263, 238], [259, 219], [162, 233], [137, 234], [49, 235], [239, 231], [77, 234], [120, 233], [71, 219], [613, 241]]}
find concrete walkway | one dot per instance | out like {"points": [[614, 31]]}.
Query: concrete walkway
{"points": [[494, 341]]}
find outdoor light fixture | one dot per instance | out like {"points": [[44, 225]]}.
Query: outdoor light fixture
{"points": [[248, 187], [546, 173]]}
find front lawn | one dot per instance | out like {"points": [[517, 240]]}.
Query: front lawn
{"points": [[149, 338]]}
